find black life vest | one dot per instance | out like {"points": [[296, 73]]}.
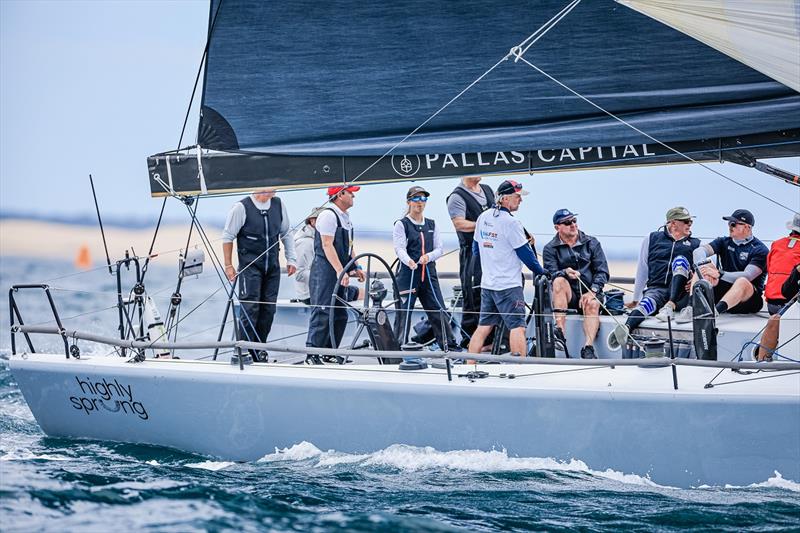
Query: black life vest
{"points": [[261, 231], [474, 210]]}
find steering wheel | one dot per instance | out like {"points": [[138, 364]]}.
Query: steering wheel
{"points": [[337, 300]]}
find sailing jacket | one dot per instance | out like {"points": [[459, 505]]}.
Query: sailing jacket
{"points": [[586, 257], [304, 247], [260, 231]]}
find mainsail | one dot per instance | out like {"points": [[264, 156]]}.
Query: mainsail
{"points": [[304, 94]]}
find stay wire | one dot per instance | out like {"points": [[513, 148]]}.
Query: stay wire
{"points": [[634, 128], [183, 131]]}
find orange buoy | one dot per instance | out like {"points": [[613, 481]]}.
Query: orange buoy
{"points": [[83, 260]]}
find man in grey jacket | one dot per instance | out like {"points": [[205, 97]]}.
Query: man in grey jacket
{"points": [[580, 271]]}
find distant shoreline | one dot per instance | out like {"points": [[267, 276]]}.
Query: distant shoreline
{"points": [[38, 239]]}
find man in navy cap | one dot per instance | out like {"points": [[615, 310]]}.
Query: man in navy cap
{"points": [[580, 271], [502, 247], [741, 266]]}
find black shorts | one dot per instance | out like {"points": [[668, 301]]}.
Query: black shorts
{"points": [[751, 305]]}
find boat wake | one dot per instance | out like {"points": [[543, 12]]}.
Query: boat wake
{"points": [[405, 458]]}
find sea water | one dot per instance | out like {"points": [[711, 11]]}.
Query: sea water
{"points": [[84, 485]]}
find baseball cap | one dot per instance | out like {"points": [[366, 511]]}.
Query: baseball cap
{"points": [[336, 189], [679, 213], [741, 215], [563, 214], [416, 190], [511, 187]]}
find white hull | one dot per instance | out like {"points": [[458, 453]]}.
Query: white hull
{"points": [[625, 418]]}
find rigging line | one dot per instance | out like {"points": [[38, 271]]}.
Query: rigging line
{"points": [[668, 147], [776, 375], [183, 130], [534, 374], [549, 25], [456, 97], [199, 71]]}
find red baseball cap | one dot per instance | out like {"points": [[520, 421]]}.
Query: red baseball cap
{"points": [[336, 189]]}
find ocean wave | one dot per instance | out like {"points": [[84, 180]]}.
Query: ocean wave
{"points": [[415, 459], [210, 465], [24, 454]]}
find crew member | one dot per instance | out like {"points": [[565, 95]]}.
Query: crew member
{"points": [[501, 246], [333, 249], [257, 223], [769, 339], [580, 271], [662, 275], [741, 266], [304, 246], [784, 254], [418, 245], [465, 204]]}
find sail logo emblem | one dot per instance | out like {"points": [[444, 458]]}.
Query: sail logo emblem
{"points": [[406, 165]]}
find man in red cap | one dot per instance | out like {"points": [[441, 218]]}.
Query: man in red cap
{"points": [[333, 249]]}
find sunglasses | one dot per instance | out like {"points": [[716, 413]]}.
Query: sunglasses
{"points": [[418, 199], [733, 224], [569, 222], [687, 222]]}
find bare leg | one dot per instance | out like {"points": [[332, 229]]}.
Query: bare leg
{"points": [[591, 320], [479, 337], [740, 291], [769, 339], [562, 293], [517, 341]]}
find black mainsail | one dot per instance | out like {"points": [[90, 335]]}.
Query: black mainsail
{"points": [[304, 94]]}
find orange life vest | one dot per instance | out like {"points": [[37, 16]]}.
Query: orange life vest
{"points": [[783, 256]]}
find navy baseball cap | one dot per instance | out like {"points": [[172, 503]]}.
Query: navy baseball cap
{"points": [[511, 187], [563, 214], [741, 215]]}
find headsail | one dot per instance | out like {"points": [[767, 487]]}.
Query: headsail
{"points": [[307, 93], [763, 35]]}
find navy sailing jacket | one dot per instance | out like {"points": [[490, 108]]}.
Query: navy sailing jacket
{"points": [[587, 257]]}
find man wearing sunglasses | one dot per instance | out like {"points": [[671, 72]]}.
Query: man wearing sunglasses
{"points": [[741, 266], [580, 271], [502, 247], [662, 275]]}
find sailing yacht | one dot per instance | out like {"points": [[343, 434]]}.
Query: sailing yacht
{"points": [[306, 95]]}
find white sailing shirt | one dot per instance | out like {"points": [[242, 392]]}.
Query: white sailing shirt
{"points": [[498, 235]]}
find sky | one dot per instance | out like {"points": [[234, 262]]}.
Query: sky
{"points": [[95, 87]]}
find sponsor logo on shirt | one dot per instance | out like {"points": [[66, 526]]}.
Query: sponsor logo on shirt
{"points": [[743, 256]]}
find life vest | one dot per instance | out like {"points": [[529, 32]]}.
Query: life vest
{"points": [[784, 255]]}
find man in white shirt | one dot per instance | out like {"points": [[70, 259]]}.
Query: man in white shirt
{"points": [[333, 249], [257, 223], [502, 246]]}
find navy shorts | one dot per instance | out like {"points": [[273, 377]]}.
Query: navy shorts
{"points": [[751, 305], [504, 306]]}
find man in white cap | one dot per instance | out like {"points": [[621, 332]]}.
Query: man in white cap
{"points": [[304, 247], [783, 275]]}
